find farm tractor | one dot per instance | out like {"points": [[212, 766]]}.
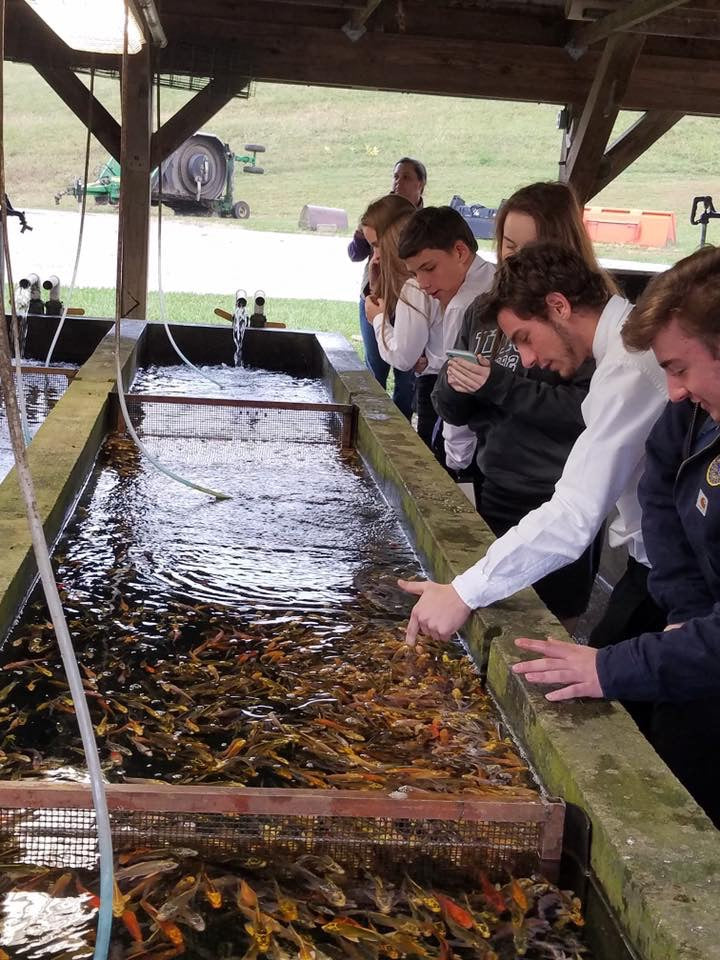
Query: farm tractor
{"points": [[197, 179]]}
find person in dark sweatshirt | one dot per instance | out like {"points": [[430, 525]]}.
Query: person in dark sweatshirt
{"points": [[408, 180], [676, 669], [526, 421]]}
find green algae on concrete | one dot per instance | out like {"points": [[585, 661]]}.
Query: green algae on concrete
{"points": [[60, 457], [655, 853]]}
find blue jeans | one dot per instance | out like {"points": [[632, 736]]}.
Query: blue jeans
{"points": [[404, 389]]}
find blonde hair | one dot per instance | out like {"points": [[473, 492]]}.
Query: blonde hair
{"points": [[383, 212], [387, 217], [556, 211]]}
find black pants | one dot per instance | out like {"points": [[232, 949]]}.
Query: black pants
{"points": [[630, 611], [426, 416], [683, 734]]}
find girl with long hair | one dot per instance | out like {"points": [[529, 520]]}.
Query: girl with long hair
{"points": [[406, 322], [409, 178]]}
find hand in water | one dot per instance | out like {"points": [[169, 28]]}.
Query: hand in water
{"points": [[438, 613]]}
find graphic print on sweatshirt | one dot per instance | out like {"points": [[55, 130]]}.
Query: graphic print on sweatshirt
{"points": [[507, 355]]}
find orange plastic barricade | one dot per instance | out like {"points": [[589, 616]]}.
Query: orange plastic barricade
{"points": [[657, 229], [643, 228]]}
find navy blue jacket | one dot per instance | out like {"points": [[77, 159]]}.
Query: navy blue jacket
{"points": [[680, 498]]}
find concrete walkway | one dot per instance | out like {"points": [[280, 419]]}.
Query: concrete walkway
{"points": [[198, 255], [203, 256]]}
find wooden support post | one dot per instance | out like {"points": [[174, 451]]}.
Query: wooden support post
{"points": [[192, 116], [633, 143], [570, 117], [600, 112], [135, 184], [73, 92]]}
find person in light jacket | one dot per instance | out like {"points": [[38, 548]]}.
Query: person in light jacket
{"points": [[406, 322], [526, 421], [558, 313], [409, 178]]}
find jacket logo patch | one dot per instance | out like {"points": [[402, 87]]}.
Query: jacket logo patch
{"points": [[713, 473], [702, 502]]}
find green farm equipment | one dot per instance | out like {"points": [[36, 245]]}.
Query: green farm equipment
{"points": [[197, 179], [105, 188]]}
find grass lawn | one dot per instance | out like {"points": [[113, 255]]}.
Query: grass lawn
{"points": [[336, 148]]}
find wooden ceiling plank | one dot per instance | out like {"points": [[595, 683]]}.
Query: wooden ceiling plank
{"points": [[633, 143], [600, 112], [683, 24], [355, 27], [192, 116], [455, 66], [629, 15], [73, 92]]}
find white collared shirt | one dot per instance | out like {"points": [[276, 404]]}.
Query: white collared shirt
{"points": [[418, 328], [627, 395], [460, 442]]}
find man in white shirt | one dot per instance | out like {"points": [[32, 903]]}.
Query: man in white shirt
{"points": [[556, 312], [440, 251]]}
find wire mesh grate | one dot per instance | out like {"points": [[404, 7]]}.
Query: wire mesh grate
{"points": [[62, 837], [42, 388], [239, 421]]}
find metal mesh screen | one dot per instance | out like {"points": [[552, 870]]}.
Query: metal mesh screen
{"points": [[42, 387], [246, 421], [180, 81], [60, 837]]}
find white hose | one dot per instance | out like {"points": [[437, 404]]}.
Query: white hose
{"points": [[52, 597], [161, 292], [71, 291], [57, 615], [217, 494]]}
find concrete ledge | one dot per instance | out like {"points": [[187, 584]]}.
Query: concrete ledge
{"points": [[655, 853], [60, 455]]}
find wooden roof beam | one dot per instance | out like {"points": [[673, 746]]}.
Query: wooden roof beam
{"points": [[192, 116], [628, 16], [73, 92], [600, 112], [404, 62], [632, 144]]}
